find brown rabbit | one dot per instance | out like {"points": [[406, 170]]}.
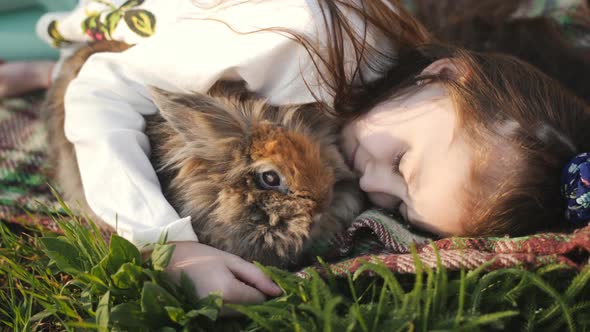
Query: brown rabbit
{"points": [[259, 181]]}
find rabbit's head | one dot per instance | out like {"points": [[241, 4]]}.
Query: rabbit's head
{"points": [[258, 181]]}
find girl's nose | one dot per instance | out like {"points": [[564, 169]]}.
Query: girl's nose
{"points": [[383, 187], [369, 183], [376, 178]]}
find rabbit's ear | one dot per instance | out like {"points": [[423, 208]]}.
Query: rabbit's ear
{"points": [[199, 118]]}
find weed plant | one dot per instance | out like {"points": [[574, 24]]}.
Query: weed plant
{"points": [[75, 281]]}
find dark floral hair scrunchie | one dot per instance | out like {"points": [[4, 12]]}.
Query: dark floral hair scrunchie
{"points": [[575, 181]]}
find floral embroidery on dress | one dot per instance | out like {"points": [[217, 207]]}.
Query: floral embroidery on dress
{"points": [[57, 40], [101, 24]]}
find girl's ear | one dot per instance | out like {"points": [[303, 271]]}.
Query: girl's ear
{"points": [[200, 119], [446, 67]]}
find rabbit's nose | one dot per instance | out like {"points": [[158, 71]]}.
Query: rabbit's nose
{"points": [[274, 220]]}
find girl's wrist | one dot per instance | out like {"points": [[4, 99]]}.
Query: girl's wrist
{"points": [[44, 73], [182, 242]]}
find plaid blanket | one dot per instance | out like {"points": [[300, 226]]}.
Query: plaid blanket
{"points": [[373, 236], [24, 192], [377, 237]]}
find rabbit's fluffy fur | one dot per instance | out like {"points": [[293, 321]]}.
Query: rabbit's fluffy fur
{"points": [[259, 181]]}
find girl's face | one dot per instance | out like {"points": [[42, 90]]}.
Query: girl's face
{"points": [[409, 157]]}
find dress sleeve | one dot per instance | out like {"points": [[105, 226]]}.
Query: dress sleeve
{"points": [[106, 103]]}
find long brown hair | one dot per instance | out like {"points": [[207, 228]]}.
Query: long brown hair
{"points": [[556, 42], [522, 124]]}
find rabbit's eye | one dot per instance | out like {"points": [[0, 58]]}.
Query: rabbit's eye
{"points": [[270, 179]]}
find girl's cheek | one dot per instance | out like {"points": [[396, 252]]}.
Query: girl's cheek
{"points": [[348, 140]]}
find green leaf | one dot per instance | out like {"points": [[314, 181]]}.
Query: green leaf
{"points": [[98, 279], [187, 287], [252, 314], [578, 283], [41, 315], [213, 300], [125, 250], [121, 251], [111, 22], [64, 254], [166, 329], [177, 315], [489, 319], [128, 315], [128, 276], [86, 299], [131, 3], [141, 21], [288, 282], [209, 312], [103, 311], [161, 256], [153, 300], [163, 238]]}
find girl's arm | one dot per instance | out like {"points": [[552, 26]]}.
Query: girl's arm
{"points": [[106, 103]]}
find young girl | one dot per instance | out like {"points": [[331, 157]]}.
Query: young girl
{"points": [[462, 143]]}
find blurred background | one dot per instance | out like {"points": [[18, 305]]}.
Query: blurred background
{"points": [[18, 18]]}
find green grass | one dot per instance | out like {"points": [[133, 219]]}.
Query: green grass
{"points": [[77, 282]]}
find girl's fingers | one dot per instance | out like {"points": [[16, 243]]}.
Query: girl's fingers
{"points": [[239, 292], [252, 275]]}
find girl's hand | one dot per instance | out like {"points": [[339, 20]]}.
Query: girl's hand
{"points": [[214, 270], [21, 77]]}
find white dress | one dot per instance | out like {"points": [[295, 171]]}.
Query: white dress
{"points": [[182, 46]]}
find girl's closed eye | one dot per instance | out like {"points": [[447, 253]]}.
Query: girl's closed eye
{"points": [[397, 160]]}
